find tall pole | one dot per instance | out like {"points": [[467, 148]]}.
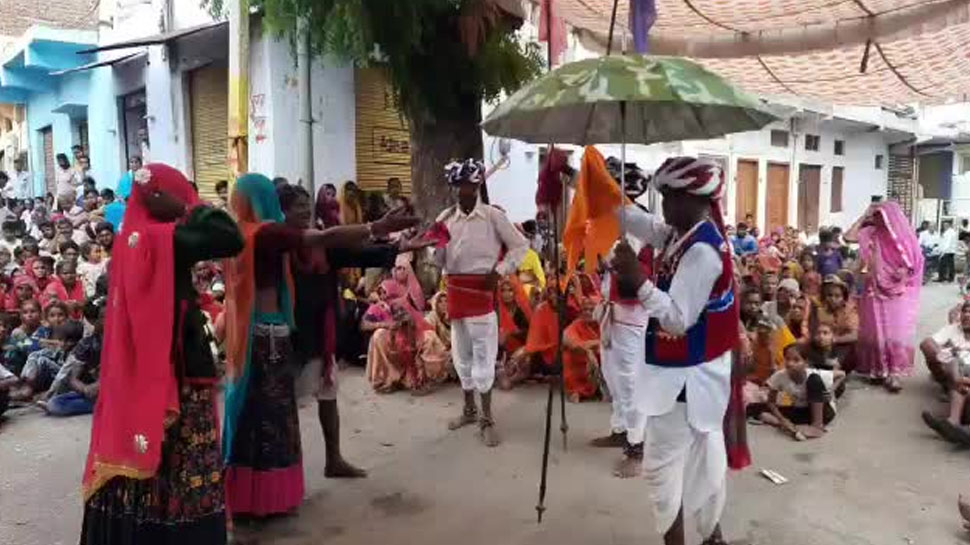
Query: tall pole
{"points": [[303, 62], [556, 212], [238, 129]]}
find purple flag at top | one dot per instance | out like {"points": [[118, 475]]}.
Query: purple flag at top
{"points": [[643, 14]]}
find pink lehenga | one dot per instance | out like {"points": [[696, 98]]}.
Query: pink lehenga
{"points": [[889, 304]]}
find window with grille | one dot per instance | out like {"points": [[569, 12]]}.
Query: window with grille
{"points": [[812, 141], [840, 147], [880, 159]]}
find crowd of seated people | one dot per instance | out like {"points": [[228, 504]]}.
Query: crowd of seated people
{"points": [[54, 257], [798, 306]]}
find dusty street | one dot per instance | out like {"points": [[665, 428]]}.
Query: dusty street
{"points": [[880, 477]]}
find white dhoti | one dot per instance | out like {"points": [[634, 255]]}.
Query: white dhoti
{"points": [[685, 460], [623, 371], [474, 348], [685, 467]]}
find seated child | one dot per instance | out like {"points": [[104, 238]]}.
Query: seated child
{"points": [[76, 388], [8, 380], [811, 281], [25, 338], [44, 365], [7, 265], [820, 352], [800, 399], [66, 288]]}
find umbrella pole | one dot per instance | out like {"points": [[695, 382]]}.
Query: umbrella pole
{"points": [[622, 169], [541, 507], [564, 427]]}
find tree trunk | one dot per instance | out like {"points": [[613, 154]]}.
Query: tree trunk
{"points": [[436, 141]]}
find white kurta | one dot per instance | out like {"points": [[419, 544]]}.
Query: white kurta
{"points": [[476, 242], [684, 455]]}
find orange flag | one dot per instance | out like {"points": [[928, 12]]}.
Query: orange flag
{"points": [[593, 226]]}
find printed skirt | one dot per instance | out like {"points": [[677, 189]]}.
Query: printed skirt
{"points": [[265, 471], [184, 502]]}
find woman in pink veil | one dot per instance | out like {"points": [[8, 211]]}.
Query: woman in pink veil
{"points": [[892, 264]]}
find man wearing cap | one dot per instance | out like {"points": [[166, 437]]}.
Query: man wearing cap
{"points": [[623, 324], [472, 265], [692, 332]]}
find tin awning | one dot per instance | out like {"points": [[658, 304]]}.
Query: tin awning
{"points": [[159, 39]]}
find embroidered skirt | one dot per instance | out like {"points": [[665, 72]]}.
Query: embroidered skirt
{"points": [[183, 503], [265, 472]]}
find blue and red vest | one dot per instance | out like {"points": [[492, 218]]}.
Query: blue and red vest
{"points": [[716, 329]]}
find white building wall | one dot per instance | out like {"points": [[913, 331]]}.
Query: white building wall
{"points": [[274, 146]]}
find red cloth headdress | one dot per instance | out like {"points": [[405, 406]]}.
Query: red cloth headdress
{"points": [[139, 391]]}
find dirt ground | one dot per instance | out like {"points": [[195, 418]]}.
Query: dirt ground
{"points": [[880, 477]]}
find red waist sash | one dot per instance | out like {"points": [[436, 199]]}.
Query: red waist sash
{"points": [[469, 296]]}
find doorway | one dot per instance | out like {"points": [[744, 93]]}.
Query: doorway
{"points": [[809, 180], [747, 193], [134, 112], [776, 197], [47, 136]]}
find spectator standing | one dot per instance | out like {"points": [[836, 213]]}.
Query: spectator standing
{"points": [[18, 185], [948, 251], [66, 178]]}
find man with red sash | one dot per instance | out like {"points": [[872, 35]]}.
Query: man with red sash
{"points": [[690, 338], [623, 325], [472, 266]]}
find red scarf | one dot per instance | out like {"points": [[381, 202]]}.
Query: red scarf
{"points": [[139, 390]]}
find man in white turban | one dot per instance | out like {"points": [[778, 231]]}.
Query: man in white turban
{"points": [[690, 339]]}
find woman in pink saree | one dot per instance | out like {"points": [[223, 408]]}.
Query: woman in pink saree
{"points": [[892, 265]]}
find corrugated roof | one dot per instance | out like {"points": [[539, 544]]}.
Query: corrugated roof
{"points": [[810, 48]]}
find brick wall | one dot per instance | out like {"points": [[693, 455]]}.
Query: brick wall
{"points": [[16, 16]]}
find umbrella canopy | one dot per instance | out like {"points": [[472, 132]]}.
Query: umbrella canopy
{"points": [[665, 98]]}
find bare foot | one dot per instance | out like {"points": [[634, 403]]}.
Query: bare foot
{"points": [[488, 434], [425, 390], [628, 468], [613, 440], [893, 385], [342, 469], [811, 432], [468, 416], [770, 419], [573, 398]]}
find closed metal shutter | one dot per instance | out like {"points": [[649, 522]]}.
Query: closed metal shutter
{"points": [[383, 136], [209, 106], [901, 187]]}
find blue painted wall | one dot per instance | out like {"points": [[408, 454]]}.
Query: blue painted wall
{"points": [[69, 89], [103, 129]]}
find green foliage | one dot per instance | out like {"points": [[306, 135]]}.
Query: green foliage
{"points": [[441, 54]]}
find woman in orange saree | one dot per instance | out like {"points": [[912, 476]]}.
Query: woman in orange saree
{"points": [[580, 358], [515, 315]]}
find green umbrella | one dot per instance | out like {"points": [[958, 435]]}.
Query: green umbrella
{"points": [[665, 99]]}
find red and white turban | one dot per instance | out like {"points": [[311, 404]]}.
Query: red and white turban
{"points": [[695, 176]]}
